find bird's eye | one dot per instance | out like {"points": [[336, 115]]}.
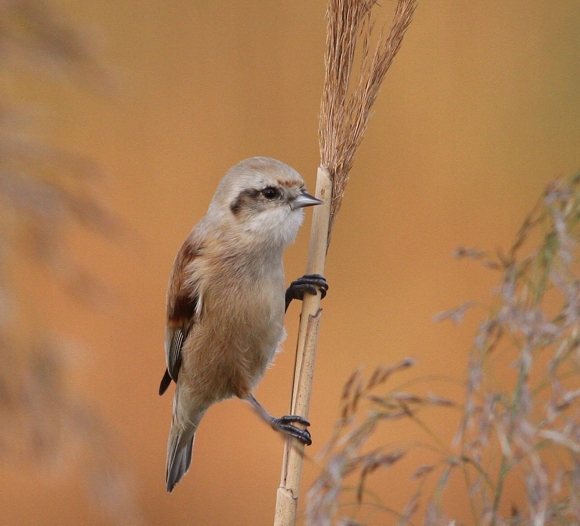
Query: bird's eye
{"points": [[270, 193]]}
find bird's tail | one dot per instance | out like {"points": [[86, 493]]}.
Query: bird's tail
{"points": [[179, 450], [187, 413]]}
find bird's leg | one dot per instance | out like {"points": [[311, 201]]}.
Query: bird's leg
{"points": [[284, 424], [309, 283]]}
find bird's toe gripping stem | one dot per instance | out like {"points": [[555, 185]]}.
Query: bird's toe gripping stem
{"points": [[307, 284], [284, 425]]}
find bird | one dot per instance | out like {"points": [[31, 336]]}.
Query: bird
{"points": [[226, 301]]}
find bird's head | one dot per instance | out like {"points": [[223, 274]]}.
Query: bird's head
{"points": [[263, 199]]}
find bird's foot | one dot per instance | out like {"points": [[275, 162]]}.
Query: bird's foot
{"points": [[284, 425], [307, 284]]}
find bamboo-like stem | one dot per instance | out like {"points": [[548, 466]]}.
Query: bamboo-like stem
{"points": [[343, 120], [287, 497]]}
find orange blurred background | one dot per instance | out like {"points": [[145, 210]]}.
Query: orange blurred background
{"points": [[480, 110]]}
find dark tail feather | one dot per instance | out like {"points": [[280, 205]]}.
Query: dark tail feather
{"points": [[178, 459], [165, 382]]}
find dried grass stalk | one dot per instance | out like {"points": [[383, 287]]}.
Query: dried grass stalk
{"points": [[343, 119], [349, 460], [516, 456], [345, 110], [44, 191]]}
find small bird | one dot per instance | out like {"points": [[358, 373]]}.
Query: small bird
{"points": [[226, 300]]}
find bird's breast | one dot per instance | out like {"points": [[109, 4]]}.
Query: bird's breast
{"points": [[237, 333]]}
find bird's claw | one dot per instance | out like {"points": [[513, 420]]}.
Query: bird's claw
{"points": [[309, 283], [284, 425]]}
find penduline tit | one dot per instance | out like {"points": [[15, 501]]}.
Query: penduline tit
{"points": [[226, 300]]}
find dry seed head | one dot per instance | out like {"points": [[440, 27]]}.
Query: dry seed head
{"points": [[344, 114]]}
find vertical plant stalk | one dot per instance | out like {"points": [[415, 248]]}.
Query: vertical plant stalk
{"points": [[344, 116], [287, 496]]}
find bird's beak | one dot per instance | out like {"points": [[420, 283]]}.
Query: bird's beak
{"points": [[305, 199]]}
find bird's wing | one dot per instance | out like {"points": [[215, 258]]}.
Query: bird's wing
{"points": [[182, 301]]}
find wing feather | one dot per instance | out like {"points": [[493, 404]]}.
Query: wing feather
{"points": [[174, 361], [182, 301]]}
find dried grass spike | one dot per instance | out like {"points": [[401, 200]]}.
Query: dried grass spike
{"points": [[349, 383], [344, 116], [342, 123]]}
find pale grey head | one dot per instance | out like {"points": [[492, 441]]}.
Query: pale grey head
{"points": [[263, 198]]}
